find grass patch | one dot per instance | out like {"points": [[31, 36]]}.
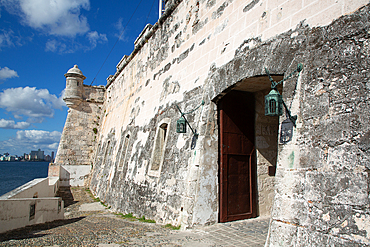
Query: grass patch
{"points": [[172, 227], [129, 216], [95, 199], [142, 219]]}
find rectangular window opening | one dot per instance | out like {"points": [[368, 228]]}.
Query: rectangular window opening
{"points": [[159, 149], [124, 152], [32, 211]]}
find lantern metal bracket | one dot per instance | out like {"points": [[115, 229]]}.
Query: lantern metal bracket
{"points": [[274, 87], [292, 118], [186, 121]]}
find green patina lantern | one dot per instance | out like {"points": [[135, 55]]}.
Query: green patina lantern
{"points": [[181, 125], [273, 104]]}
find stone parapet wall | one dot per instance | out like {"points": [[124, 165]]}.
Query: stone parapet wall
{"points": [[39, 187], [21, 212], [30, 204]]}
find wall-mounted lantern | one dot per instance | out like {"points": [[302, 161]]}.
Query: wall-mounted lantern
{"points": [[274, 101], [181, 125], [273, 104], [182, 122]]}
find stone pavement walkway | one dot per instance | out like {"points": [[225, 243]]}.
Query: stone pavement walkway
{"points": [[88, 223]]}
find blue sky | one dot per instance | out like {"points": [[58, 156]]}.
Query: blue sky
{"points": [[39, 41]]}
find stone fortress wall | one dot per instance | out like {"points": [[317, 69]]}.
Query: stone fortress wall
{"points": [[200, 51]]}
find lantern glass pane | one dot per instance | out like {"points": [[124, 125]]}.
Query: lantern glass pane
{"points": [[181, 126], [272, 106]]}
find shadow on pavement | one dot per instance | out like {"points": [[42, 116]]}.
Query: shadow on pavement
{"points": [[31, 231]]}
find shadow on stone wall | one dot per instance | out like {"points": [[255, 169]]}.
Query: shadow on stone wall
{"points": [[66, 194]]}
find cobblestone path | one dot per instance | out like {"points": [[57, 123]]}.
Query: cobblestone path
{"points": [[88, 223]]}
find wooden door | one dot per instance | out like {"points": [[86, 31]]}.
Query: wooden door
{"points": [[237, 157]]}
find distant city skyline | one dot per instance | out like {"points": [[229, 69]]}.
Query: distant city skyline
{"points": [[33, 155]]}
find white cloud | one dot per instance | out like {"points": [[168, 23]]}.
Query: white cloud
{"points": [[51, 45], [6, 73], [38, 136], [60, 18], [30, 102], [9, 39], [119, 26], [6, 38], [57, 17], [10, 124], [27, 140], [57, 46], [94, 38], [70, 25]]}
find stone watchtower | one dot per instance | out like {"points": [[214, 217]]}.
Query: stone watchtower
{"points": [[77, 144], [73, 95]]}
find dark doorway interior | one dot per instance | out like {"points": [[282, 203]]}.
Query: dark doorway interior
{"points": [[238, 197]]}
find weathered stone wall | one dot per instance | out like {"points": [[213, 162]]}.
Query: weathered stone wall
{"points": [[79, 138], [199, 51], [322, 193]]}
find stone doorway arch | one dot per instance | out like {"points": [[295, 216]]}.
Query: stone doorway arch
{"points": [[248, 142]]}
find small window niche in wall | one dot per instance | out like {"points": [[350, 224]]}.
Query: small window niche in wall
{"points": [[32, 211], [107, 151], [124, 152], [159, 148]]}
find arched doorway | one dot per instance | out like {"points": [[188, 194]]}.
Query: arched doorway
{"points": [[247, 150]]}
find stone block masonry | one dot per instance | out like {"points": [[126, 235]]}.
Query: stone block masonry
{"points": [[206, 50], [75, 155]]}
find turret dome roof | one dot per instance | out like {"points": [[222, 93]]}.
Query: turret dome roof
{"points": [[75, 71]]}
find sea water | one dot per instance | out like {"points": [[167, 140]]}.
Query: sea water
{"points": [[15, 174]]}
